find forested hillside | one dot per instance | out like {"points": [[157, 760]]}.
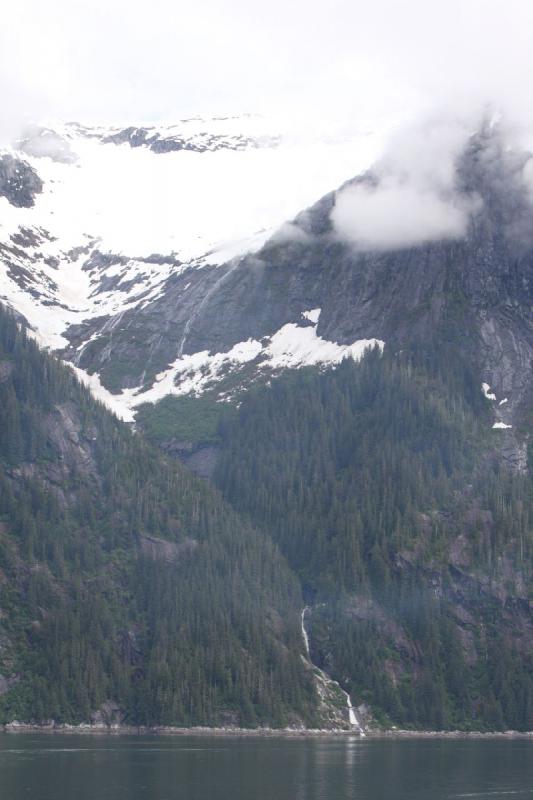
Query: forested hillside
{"points": [[383, 484], [129, 591]]}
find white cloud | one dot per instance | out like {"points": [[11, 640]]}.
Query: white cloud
{"points": [[329, 68], [332, 62], [289, 232], [396, 215], [412, 197]]}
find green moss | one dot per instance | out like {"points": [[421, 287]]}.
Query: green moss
{"points": [[187, 418]]}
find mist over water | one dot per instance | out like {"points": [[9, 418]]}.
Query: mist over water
{"points": [[56, 767]]}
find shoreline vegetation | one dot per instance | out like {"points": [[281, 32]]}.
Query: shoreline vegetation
{"points": [[132, 730]]}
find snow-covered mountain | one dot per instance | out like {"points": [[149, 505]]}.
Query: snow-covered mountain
{"points": [[97, 223], [160, 260]]}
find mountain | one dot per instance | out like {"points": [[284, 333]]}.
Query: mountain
{"points": [[98, 222], [384, 486], [400, 489], [310, 297], [194, 320], [129, 591], [362, 403]]}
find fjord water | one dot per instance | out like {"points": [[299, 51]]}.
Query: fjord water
{"points": [[73, 767]]}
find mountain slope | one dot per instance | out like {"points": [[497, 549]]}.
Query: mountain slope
{"points": [[98, 222], [160, 325], [128, 590], [383, 486], [399, 490]]}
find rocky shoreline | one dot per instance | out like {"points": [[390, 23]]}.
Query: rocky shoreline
{"points": [[131, 730]]}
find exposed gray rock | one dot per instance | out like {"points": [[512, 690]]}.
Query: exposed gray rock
{"points": [[108, 715], [203, 461], [19, 182], [200, 143], [482, 281], [73, 444], [200, 458]]}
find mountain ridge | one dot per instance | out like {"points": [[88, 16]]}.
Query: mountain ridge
{"points": [[364, 404]]}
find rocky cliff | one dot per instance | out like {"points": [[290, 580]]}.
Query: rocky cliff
{"points": [[219, 328]]}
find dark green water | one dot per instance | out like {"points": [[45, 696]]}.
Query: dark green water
{"points": [[72, 767]]}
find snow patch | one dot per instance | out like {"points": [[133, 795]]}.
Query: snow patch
{"points": [[485, 388], [186, 202], [115, 403], [290, 347], [313, 315], [501, 425], [190, 374], [293, 346], [202, 208]]}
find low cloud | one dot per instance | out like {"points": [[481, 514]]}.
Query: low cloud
{"points": [[411, 195], [43, 143], [289, 233], [396, 215], [348, 62]]}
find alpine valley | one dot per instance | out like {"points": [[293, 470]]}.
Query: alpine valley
{"points": [[261, 465]]}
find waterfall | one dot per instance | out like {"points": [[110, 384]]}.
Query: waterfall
{"points": [[305, 637], [352, 716], [209, 294]]}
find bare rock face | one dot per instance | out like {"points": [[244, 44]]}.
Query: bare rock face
{"points": [[19, 183], [71, 441], [479, 285], [483, 282], [201, 143], [200, 458]]}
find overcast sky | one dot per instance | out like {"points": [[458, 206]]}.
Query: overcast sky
{"points": [[126, 60]]}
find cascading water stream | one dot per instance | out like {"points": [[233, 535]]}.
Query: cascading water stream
{"points": [[352, 716], [209, 294], [304, 632]]}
